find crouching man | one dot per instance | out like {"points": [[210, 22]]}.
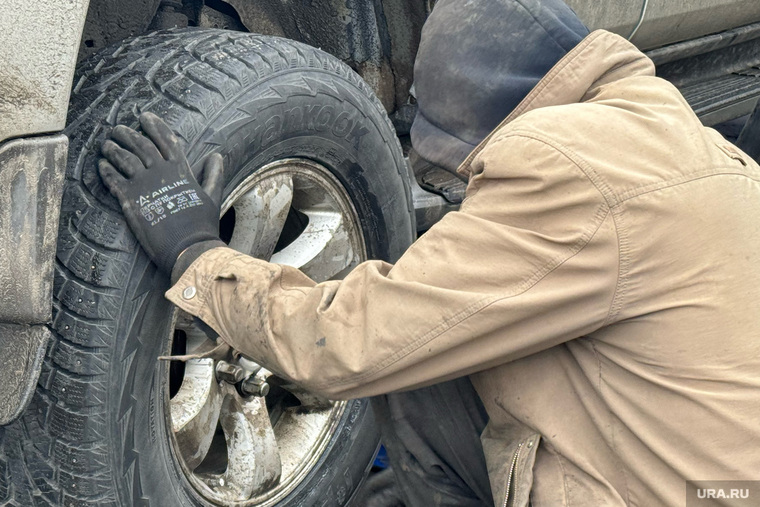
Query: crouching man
{"points": [[599, 285]]}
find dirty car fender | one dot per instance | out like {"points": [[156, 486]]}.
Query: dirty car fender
{"points": [[40, 40]]}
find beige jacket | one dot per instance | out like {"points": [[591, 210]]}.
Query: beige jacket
{"points": [[600, 284]]}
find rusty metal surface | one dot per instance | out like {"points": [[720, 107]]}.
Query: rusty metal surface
{"points": [[110, 21], [31, 182], [37, 58], [377, 39], [22, 349]]}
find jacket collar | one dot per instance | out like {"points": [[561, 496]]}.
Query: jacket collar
{"points": [[600, 58]]}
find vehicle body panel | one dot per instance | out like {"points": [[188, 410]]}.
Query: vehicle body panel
{"points": [[669, 21], [37, 59], [618, 17], [666, 21]]}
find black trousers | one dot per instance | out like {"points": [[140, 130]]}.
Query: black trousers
{"points": [[432, 436]]}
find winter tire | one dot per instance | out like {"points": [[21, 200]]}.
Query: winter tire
{"points": [[308, 150]]}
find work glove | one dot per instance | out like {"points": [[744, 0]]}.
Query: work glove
{"points": [[166, 208]]}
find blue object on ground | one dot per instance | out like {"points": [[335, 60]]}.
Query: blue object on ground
{"points": [[381, 460]]}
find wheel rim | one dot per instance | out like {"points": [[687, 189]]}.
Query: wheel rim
{"points": [[255, 450]]}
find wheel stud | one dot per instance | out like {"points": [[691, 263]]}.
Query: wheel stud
{"points": [[215, 482], [254, 386], [230, 373]]}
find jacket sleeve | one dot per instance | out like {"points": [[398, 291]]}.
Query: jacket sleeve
{"points": [[529, 262]]}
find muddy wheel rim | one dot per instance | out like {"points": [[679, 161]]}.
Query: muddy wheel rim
{"points": [[255, 450]]}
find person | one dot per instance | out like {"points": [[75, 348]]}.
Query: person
{"points": [[599, 285]]}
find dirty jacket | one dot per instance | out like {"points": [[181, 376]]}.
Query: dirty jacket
{"points": [[600, 285]]}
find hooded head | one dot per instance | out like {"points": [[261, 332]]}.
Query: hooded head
{"points": [[476, 61]]}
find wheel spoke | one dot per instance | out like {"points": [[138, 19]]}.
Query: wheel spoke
{"points": [[236, 453], [323, 249], [195, 337], [253, 459], [263, 211], [195, 411], [306, 427]]}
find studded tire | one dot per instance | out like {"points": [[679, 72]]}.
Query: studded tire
{"points": [[95, 432]]}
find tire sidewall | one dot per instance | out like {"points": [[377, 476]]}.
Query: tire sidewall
{"points": [[314, 115], [311, 118]]}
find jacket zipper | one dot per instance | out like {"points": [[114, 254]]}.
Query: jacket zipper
{"points": [[512, 470]]}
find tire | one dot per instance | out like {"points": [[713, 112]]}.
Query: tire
{"points": [[97, 431]]}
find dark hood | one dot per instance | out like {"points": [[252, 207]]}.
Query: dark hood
{"points": [[476, 61]]}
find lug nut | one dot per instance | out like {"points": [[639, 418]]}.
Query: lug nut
{"points": [[215, 482], [230, 373], [254, 386]]}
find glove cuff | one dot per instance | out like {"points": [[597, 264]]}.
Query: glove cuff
{"points": [[190, 254]]}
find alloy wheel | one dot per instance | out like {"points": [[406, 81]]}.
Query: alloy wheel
{"points": [[241, 435]]}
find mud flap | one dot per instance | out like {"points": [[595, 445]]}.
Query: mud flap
{"points": [[31, 183], [22, 349]]}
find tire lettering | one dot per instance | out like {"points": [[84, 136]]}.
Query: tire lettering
{"points": [[324, 118], [273, 128], [257, 136], [293, 119], [343, 125], [310, 115], [316, 118], [356, 134]]}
